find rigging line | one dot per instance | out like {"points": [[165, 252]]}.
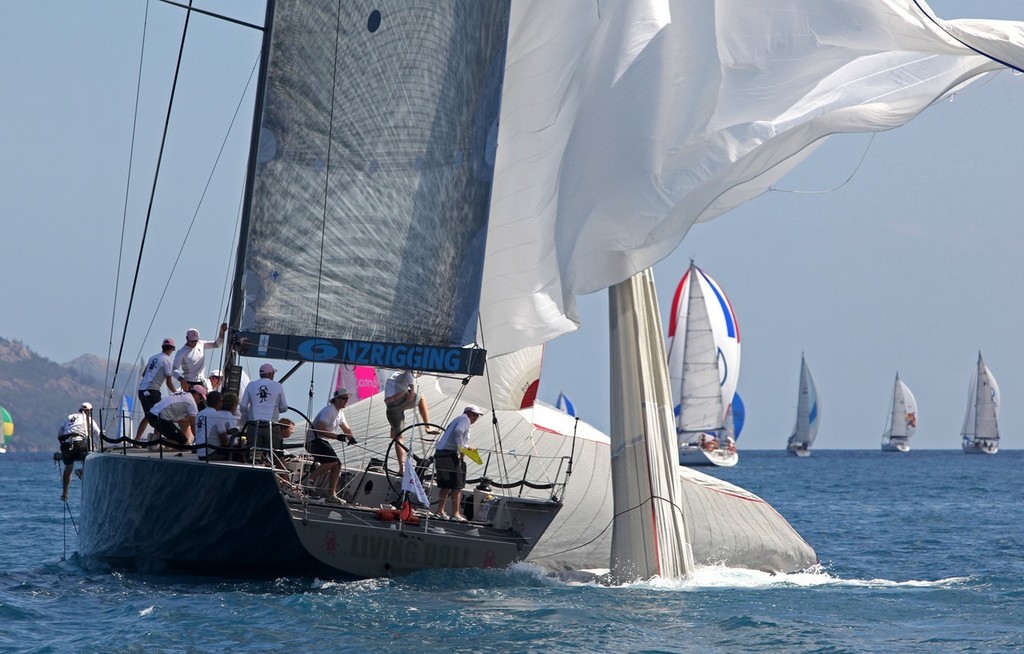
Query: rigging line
{"points": [[495, 428], [846, 181], [327, 180], [612, 522], [152, 194], [127, 191], [224, 307], [199, 204]]}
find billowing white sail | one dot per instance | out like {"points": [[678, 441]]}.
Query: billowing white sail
{"points": [[808, 414], [510, 381], [623, 123], [902, 419], [981, 425]]}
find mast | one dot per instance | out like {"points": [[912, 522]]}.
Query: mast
{"points": [[233, 379]]}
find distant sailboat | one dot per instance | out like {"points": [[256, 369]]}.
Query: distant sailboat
{"points": [[808, 414], [703, 363], [902, 419], [981, 425], [735, 417], [6, 429], [565, 405]]}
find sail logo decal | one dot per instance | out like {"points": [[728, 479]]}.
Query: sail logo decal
{"points": [[428, 358], [318, 349], [412, 357]]}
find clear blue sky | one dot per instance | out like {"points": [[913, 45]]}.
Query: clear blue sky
{"points": [[912, 265]]}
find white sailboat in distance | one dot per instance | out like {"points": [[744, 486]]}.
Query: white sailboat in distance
{"points": [[703, 362], [808, 414], [981, 424], [902, 420]]}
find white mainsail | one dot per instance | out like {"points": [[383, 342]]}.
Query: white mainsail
{"points": [[808, 414], [902, 419], [701, 409], [981, 425]]}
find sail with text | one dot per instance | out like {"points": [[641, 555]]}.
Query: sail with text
{"points": [[363, 238]]}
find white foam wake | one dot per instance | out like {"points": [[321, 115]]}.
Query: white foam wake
{"points": [[720, 576]]}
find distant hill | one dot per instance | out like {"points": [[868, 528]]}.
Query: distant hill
{"points": [[40, 393]]}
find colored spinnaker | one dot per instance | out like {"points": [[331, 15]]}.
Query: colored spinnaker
{"points": [[6, 428]]}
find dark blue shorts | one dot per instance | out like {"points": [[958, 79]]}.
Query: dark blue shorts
{"points": [[322, 451], [450, 470]]}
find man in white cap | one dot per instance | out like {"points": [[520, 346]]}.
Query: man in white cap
{"points": [[74, 436], [449, 463], [262, 404], [158, 372], [191, 359], [329, 423], [215, 379]]}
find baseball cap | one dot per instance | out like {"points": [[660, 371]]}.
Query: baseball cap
{"points": [[169, 341], [198, 388], [192, 335], [472, 408], [267, 369], [341, 392], [215, 373], [85, 406]]}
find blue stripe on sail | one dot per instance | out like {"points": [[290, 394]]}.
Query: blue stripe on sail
{"points": [[739, 414], [723, 367], [730, 323], [813, 415]]}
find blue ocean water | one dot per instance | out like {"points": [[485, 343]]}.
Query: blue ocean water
{"points": [[919, 553]]}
